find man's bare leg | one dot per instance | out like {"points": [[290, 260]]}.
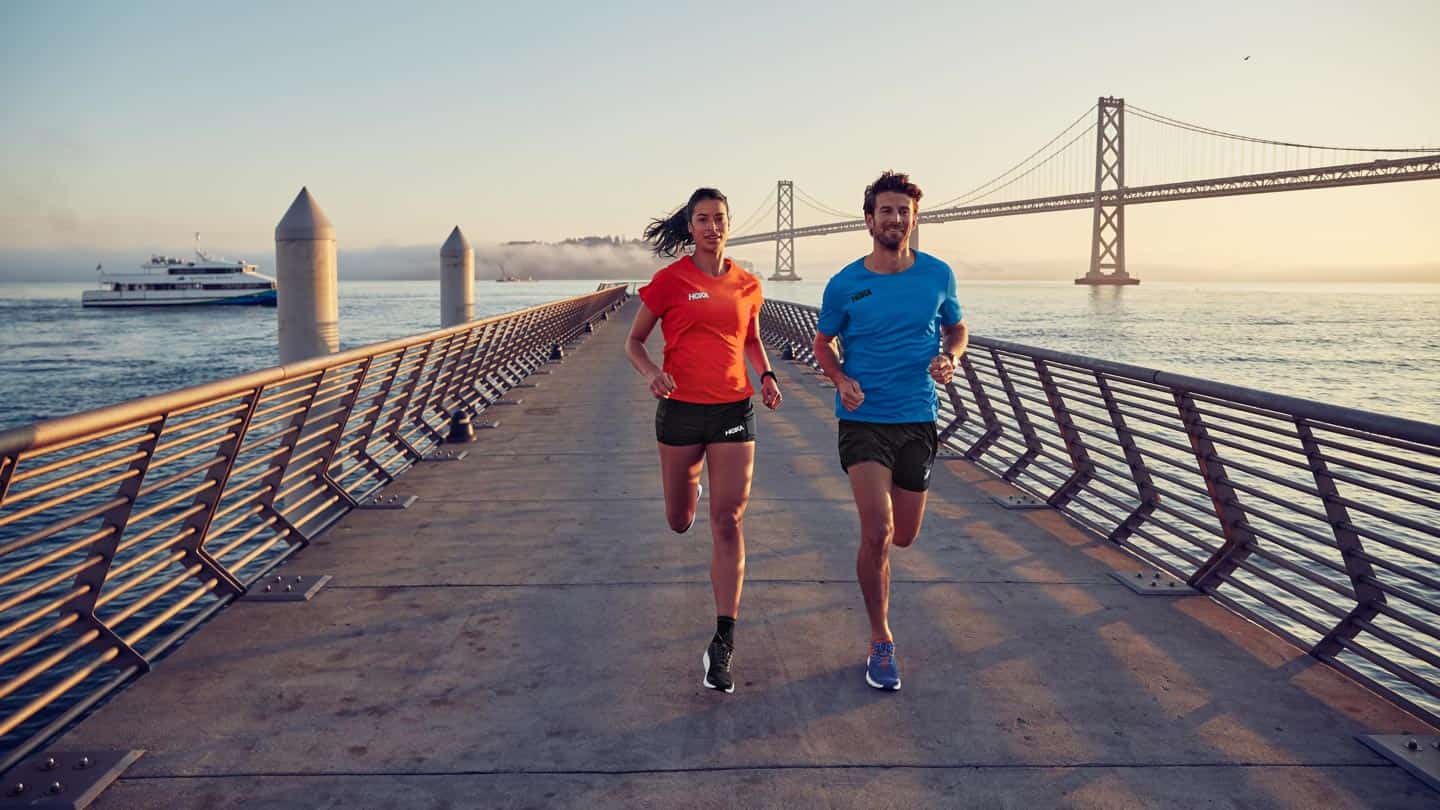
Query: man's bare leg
{"points": [[870, 483]]}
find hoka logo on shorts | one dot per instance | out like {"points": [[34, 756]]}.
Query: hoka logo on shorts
{"points": [[734, 430], [857, 296], [697, 296]]}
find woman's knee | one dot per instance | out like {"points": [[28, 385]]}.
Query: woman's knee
{"points": [[680, 520], [727, 516], [878, 534]]}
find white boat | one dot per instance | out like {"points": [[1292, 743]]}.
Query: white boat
{"points": [[166, 281]]}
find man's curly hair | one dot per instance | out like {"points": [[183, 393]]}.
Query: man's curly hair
{"points": [[891, 181]]}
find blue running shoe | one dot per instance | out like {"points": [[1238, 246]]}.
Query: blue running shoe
{"points": [[880, 669]]}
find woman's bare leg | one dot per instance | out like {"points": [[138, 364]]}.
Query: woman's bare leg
{"points": [[680, 478]]}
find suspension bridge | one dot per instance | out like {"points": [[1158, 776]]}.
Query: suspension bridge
{"points": [[1135, 159]]}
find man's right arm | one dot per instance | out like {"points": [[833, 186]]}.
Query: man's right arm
{"points": [[833, 318], [850, 394]]}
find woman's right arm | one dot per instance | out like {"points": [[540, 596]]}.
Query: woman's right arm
{"points": [[661, 384]]}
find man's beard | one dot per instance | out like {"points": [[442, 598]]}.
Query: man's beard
{"points": [[886, 241]]}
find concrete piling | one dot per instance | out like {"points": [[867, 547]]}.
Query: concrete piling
{"points": [[457, 280], [307, 303]]}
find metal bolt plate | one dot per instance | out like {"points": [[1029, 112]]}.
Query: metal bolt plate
{"points": [[1150, 582], [388, 502], [447, 455], [1019, 502], [1417, 753], [82, 775], [499, 402], [486, 425], [286, 588]]}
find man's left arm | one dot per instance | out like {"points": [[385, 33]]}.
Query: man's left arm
{"points": [[954, 335], [954, 339]]}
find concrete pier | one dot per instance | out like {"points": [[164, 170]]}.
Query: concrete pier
{"points": [[307, 282], [529, 634]]}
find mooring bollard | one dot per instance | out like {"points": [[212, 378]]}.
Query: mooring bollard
{"points": [[457, 280], [462, 430], [307, 308]]}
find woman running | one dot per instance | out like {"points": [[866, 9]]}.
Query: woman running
{"points": [[708, 309]]}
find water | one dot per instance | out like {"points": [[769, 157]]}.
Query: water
{"points": [[1369, 347], [58, 358]]}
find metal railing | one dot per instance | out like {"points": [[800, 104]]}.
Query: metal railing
{"points": [[1318, 522], [123, 528]]}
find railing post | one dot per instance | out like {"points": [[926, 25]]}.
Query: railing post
{"points": [[1368, 597], [362, 442], [462, 381], [342, 420], [7, 470], [1027, 431], [404, 405], [444, 364], [957, 404], [1234, 526], [1139, 474], [1074, 446], [115, 520], [993, 428], [199, 523]]}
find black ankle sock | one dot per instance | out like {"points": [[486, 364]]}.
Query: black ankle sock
{"points": [[725, 630]]}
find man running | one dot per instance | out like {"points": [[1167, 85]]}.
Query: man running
{"points": [[900, 327]]}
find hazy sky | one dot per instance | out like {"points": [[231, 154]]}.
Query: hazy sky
{"points": [[131, 125]]}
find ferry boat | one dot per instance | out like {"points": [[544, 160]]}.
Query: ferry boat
{"points": [[166, 281]]}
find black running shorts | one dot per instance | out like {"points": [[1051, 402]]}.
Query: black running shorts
{"points": [[908, 449], [684, 423]]}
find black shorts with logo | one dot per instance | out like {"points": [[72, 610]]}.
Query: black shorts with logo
{"points": [[682, 423], [907, 448]]}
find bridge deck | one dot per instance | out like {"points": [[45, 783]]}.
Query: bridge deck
{"points": [[529, 634]]}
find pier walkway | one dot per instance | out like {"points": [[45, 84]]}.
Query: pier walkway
{"points": [[529, 634]]}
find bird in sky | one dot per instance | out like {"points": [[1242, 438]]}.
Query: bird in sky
{"points": [[1246, 59]]}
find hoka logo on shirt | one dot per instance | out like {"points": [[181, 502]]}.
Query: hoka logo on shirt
{"points": [[859, 295], [696, 296]]}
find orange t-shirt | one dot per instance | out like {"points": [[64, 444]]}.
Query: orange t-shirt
{"points": [[705, 320]]}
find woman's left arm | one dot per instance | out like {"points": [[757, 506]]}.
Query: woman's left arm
{"points": [[755, 353]]}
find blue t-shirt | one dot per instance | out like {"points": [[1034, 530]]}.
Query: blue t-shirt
{"points": [[889, 330]]}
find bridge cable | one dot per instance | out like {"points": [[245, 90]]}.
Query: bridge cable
{"points": [[754, 218], [827, 213], [1012, 169], [1175, 122], [822, 207], [1020, 177]]}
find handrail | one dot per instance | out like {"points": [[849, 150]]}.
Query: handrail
{"points": [[122, 528], [1319, 522]]}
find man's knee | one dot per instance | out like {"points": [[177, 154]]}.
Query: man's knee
{"points": [[905, 537]]}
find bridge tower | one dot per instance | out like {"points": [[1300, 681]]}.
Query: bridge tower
{"points": [[785, 232], [1107, 240]]}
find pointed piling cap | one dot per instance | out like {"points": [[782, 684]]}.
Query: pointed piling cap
{"points": [[456, 247], [304, 220]]}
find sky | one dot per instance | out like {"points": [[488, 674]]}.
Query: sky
{"points": [[130, 126]]}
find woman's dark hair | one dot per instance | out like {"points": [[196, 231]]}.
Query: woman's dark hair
{"points": [[891, 181], [670, 235]]}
